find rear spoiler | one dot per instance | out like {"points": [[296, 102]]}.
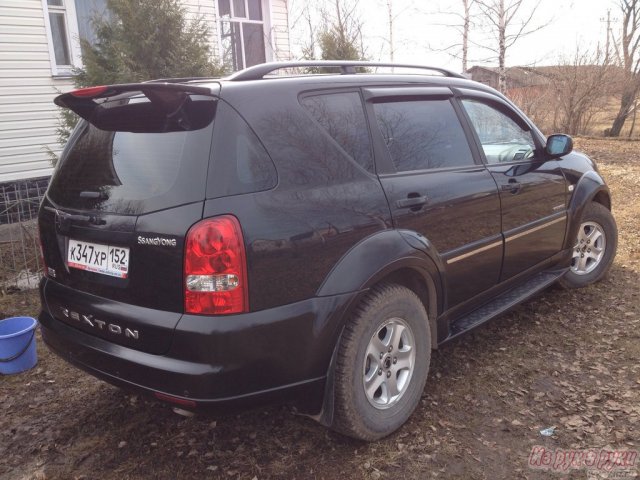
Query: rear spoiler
{"points": [[168, 104]]}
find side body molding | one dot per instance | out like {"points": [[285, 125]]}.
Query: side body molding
{"points": [[586, 189]]}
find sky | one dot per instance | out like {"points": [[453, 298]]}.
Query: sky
{"points": [[423, 32]]}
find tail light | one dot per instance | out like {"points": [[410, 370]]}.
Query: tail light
{"points": [[215, 268], [89, 91]]}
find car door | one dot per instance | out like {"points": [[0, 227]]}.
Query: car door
{"points": [[532, 188], [435, 186]]}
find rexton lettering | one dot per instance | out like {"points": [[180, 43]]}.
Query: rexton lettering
{"points": [[93, 322], [157, 241]]}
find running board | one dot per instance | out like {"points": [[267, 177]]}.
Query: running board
{"points": [[506, 301]]}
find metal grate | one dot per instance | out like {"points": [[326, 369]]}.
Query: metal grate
{"points": [[20, 263]]}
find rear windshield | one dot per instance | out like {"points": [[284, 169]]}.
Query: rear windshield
{"points": [[118, 170]]}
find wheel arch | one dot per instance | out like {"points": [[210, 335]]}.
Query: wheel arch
{"points": [[391, 256], [604, 198], [385, 257], [419, 282], [590, 188]]}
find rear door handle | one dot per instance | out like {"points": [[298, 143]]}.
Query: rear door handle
{"points": [[411, 202]]}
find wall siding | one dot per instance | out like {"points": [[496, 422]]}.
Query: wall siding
{"points": [[278, 36], [207, 9], [280, 30], [28, 117]]}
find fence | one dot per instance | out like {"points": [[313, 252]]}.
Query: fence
{"points": [[20, 262]]}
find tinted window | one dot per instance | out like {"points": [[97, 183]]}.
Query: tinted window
{"points": [[423, 134], [502, 139], [240, 163], [132, 173], [342, 116]]}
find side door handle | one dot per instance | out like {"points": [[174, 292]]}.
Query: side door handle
{"points": [[412, 201], [513, 186]]}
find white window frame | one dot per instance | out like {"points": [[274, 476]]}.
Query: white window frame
{"points": [[266, 6], [68, 8]]}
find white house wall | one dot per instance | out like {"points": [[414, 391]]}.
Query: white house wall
{"points": [[280, 30], [276, 17], [28, 117], [208, 11]]}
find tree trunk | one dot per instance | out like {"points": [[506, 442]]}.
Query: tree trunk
{"points": [[629, 41], [628, 97], [502, 49], [465, 34], [633, 119], [391, 46]]}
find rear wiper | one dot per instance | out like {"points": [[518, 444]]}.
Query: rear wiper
{"points": [[65, 220]]}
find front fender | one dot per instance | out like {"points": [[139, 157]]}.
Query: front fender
{"points": [[590, 186]]}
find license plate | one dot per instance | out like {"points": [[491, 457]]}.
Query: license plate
{"points": [[94, 257]]}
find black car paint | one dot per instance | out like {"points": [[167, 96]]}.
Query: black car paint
{"points": [[327, 232]]}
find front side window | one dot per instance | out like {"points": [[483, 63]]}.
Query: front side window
{"points": [[242, 35], [423, 134], [502, 139]]}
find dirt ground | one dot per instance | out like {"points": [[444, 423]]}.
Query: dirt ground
{"points": [[565, 359]]}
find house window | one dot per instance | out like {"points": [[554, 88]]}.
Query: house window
{"points": [[242, 37], [86, 10], [66, 22]]}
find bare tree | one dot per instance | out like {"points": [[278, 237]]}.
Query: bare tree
{"points": [[328, 30], [341, 34], [392, 15], [303, 26], [309, 46], [462, 22], [391, 20], [508, 22], [537, 101], [581, 87], [629, 55], [466, 26]]}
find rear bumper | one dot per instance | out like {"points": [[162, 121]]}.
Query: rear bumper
{"points": [[276, 355]]}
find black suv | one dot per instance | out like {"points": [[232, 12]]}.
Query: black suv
{"points": [[304, 238]]}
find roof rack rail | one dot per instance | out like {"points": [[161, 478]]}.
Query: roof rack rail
{"points": [[347, 67], [179, 79]]}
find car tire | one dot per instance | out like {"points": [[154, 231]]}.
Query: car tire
{"points": [[594, 248], [382, 363]]}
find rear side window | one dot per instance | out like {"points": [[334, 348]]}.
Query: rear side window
{"points": [[130, 172], [342, 116], [423, 134], [239, 163]]}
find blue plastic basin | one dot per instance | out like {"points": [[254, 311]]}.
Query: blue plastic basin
{"points": [[17, 344]]}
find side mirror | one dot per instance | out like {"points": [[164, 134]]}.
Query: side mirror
{"points": [[559, 145]]}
